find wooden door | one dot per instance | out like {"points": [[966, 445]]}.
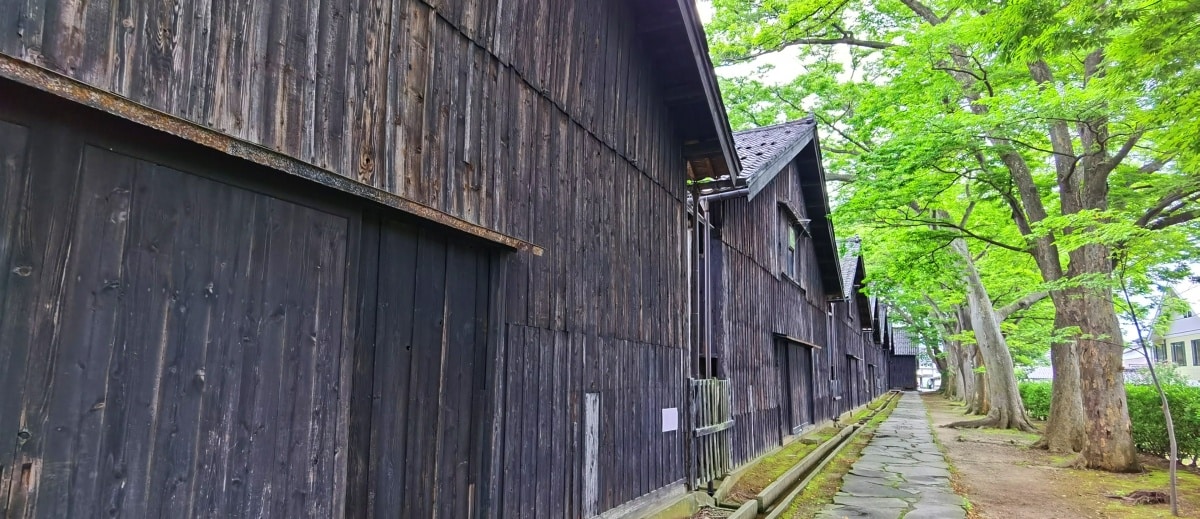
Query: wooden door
{"points": [[427, 318], [786, 409], [796, 392], [183, 334], [800, 358], [172, 344]]}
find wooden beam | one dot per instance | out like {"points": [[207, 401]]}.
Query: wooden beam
{"points": [[51, 82]]}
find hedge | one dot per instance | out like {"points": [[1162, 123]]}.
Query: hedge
{"points": [[1145, 412]]}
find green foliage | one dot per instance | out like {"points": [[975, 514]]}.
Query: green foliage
{"points": [[1036, 396], [926, 105], [1145, 413], [1149, 427]]}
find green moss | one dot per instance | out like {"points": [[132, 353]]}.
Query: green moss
{"points": [[771, 467], [824, 485], [1092, 482]]}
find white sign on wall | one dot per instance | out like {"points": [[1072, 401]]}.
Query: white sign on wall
{"points": [[670, 419]]}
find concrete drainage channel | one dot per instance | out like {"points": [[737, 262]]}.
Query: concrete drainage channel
{"points": [[771, 501]]}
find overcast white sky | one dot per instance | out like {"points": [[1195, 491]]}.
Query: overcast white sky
{"points": [[787, 66]]}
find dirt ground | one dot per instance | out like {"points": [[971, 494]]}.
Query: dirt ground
{"points": [[1003, 478]]}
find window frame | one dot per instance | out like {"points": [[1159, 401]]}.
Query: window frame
{"points": [[1178, 354], [1196, 352]]}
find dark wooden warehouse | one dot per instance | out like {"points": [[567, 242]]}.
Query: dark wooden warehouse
{"points": [[787, 326], [902, 373], [360, 258], [348, 257]]}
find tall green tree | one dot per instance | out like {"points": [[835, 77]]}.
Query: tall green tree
{"points": [[1076, 119]]}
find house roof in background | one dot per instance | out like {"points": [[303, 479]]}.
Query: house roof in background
{"points": [[903, 345], [850, 266], [764, 151], [1184, 326]]}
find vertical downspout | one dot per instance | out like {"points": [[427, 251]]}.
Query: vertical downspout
{"points": [[706, 278]]}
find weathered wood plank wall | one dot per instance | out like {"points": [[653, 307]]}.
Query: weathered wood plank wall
{"points": [[152, 364], [757, 302], [539, 119], [448, 103]]}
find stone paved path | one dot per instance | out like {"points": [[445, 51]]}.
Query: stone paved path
{"points": [[901, 473]]}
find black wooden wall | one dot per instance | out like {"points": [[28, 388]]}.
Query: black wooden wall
{"points": [[902, 372], [189, 335], [758, 302], [543, 120], [172, 345]]}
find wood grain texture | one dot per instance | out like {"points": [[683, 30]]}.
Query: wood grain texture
{"points": [[403, 96], [754, 302], [544, 120]]}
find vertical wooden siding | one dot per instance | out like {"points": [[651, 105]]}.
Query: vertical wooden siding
{"points": [[174, 346], [758, 302], [538, 119], [446, 102]]}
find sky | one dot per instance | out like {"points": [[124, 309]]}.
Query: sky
{"points": [[787, 66]]}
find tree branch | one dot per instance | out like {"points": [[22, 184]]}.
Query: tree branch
{"points": [[1115, 161], [965, 232], [1175, 219], [839, 178], [853, 42], [923, 11], [1020, 304]]}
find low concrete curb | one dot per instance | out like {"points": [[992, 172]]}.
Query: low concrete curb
{"points": [[748, 510], [777, 488], [778, 511]]}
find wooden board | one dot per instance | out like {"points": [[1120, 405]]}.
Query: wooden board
{"points": [[176, 338]]}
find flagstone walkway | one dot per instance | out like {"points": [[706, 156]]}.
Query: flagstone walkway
{"points": [[901, 473]]}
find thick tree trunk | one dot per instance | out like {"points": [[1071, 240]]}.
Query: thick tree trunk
{"points": [[951, 380], [1064, 428], [1006, 410], [1108, 433]]}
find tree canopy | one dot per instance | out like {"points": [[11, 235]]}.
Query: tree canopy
{"points": [[1057, 138]]}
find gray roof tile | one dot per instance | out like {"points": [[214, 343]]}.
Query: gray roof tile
{"points": [[902, 344], [758, 146]]}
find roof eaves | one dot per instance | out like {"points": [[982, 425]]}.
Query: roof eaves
{"points": [[712, 91]]}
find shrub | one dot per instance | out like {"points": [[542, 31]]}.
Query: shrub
{"points": [[1036, 396], [1149, 428], [1145, 413]]}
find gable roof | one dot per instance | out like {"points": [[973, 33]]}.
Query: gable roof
{"points": [[902, 344], [674, 37], [853, 272], [764, 153]]}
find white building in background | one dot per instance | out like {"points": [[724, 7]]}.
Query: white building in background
{"points": [[928, 378], [1179, 345]]}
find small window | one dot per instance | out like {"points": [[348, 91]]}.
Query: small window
{"points": [[1160, 352], [788, 239], [1177, 352], [1196, 352]]}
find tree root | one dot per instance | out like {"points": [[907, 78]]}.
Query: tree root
{"points": [[993, 422], [1074, 462], [985, 422]]}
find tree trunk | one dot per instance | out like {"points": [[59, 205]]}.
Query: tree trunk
{"points": [[1108, 433], [1064, 428], [951, 380], [1005, 408]]}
